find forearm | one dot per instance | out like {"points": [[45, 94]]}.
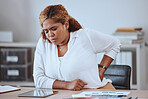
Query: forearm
{"points": [[60, 84], [106, 61], [71, 85]]}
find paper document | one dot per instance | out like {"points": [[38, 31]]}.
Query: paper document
{"points": [[4, 89], [102, 93]]}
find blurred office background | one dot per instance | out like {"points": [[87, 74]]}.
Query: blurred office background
{"points": [[21, 17]]}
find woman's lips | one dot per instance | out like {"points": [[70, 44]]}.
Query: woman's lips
{"points": [[53, 40]]}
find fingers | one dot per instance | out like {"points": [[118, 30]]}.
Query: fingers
{"points": [[79, 85], [77, 88], [85, 83], [82, 83]]}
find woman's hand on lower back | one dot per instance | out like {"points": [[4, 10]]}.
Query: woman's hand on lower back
{"points": [[101, 73]]}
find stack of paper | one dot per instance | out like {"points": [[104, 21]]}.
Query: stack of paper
{"points": [[4, 89], [101, 93]]}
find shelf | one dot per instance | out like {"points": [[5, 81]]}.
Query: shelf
{"points": [[137, 54], [18, 83], [17, 44]]}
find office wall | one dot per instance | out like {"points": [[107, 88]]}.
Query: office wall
{"points": [[13, 17], [21, 16]]}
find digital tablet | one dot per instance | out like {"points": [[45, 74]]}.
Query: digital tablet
{"points": [[38, 93]]}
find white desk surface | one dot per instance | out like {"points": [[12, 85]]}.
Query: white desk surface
{"points": [[141, 94]]}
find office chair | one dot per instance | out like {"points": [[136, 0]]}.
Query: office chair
{"points": [[120, 76]]}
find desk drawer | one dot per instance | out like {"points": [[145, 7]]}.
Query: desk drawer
{"points": [[15, 56], [16, 73]]}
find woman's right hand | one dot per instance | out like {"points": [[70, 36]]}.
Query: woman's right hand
{"points": [[75, 85]]}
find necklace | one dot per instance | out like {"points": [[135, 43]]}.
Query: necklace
{"points": [[62, 48]]}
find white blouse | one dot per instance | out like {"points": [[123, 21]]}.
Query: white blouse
{"points": [[79, 62]]}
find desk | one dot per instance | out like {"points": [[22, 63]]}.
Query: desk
{"points": [[67, 93]]}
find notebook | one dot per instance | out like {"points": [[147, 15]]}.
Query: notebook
{"points": [[4, 89]]}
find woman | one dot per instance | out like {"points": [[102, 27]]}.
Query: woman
{"points": [[66, 54]]}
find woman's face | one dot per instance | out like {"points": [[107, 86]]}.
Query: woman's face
{"points": [[57, 33]]}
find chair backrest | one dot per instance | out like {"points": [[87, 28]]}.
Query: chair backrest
{"points": [[120, 76]]}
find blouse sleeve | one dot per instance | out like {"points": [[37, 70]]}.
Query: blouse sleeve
{"points": [[40, 79], [104, 43]]}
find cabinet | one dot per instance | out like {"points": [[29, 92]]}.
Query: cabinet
{"points": [[16, 60], [15, 64], [15, 56]]}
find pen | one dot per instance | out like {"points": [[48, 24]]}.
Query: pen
{"points": [[95, 95], [79, 98]]}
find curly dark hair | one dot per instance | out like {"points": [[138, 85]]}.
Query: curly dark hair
{"points": [[59, 15]]}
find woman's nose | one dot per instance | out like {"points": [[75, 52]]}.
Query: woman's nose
{"points": [[50, 34]]}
